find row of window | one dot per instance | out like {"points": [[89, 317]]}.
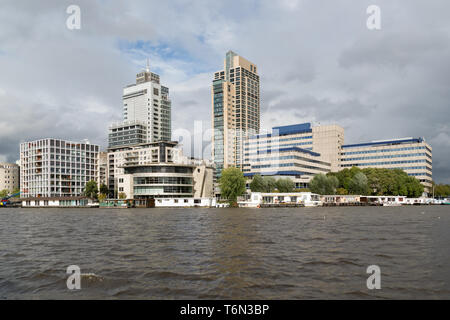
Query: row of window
{"points": [[384, 163], [277, 140], [264, 166], [385, 150], [388, 156]]}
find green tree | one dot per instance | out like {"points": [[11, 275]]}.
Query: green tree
{"points": [[358, 184], [104, 189], [101, 197], [270, 183], [323, 184], [285, 185], [441, 190], [341, 191], [232, 184], [91, 190], [122, 195], [258, 184], [4, 193]]}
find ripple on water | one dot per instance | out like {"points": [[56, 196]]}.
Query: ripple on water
{"points": [[225, 254]]}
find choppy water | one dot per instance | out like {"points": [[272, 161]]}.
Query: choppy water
{"points": [[292, 253]]}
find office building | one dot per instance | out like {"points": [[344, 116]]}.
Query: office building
{"points": [[235, 96], [293, 151], [412, 155], [9, 176], [146, 103], [56, 168], [127, 133]]}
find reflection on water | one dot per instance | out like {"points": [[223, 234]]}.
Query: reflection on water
{"points": [[291, 253]]}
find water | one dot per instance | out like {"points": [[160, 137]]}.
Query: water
{"points": [[292, 253]]}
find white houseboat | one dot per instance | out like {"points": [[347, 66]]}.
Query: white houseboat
{"points": [[258, 199]]}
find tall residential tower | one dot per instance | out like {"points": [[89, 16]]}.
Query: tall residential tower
{"points": [[236, 110]]}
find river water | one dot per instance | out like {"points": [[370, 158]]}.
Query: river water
{"points": [[289, 253]]}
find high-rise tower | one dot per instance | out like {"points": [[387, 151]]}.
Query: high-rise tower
{"points": [[148, 103], [236, 109]]}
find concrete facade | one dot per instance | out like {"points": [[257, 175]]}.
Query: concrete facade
{"points": [[56, 168], [294, 151], [158, 170], [148, 101], [9, 176], [412, 155]]}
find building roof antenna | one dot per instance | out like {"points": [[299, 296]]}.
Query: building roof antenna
{"points": [[148, 66]]}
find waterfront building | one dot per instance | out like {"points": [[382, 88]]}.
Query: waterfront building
{"points": [[140, 154], [235, 98], [102, 164], [412, 155], [160, 170], [297, 151], [9, 176], [56, 168], [146, 107]]}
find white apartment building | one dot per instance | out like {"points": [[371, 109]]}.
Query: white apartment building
{"points": [[56, 168], [9, 176], [160, 156], [158, 170], [148, 102]]}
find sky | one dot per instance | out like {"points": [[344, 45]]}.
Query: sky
{"points": [[317, 60]]}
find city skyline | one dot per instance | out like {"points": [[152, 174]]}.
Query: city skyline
{"points": [[376, 84]]}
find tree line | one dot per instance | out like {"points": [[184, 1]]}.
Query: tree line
{"points": [[367, 181], [441, 190]]}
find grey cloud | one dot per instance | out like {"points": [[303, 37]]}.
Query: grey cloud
{"points": [[317, 63]]}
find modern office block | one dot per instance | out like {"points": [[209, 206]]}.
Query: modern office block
{"points": [[288, 151], [413, 155]]}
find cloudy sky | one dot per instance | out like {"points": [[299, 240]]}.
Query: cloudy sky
{"points": [[317, 60]]}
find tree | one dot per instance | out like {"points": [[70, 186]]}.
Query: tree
{"points": [[122, 195], [285, 185], [358, 184], [101, 197], [322, 184], [270, 183], [232, 184], [4, 193], [91, 190], [441, 190], [258, 184], [104, 189], [341, 191]]}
